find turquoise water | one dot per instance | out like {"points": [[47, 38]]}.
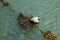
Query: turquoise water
{"points": [[47, 10]]}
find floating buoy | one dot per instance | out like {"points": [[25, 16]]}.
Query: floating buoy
{"points": [[35, 19], [26, 22]]}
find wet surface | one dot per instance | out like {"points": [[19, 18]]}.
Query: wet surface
{"points": [[47, 10]]}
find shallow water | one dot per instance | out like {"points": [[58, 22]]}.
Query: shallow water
{"points": [[47, 10]]}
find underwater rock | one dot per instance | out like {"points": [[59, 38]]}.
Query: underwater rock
{"points": [[50, 36], [1, 1], [4, 3]]}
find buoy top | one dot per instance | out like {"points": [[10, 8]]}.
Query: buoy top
{"points": [[35, 19]]}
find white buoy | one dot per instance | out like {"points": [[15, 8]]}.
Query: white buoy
{"points": [[35, 19]]}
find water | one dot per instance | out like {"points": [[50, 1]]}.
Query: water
{"points": [[47, 10]]}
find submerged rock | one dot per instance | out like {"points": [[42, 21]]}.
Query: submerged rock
{"points": [[50, 36], [1, 1], [4, 3]]}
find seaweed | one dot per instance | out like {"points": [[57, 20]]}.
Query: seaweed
{"points": [[48, 35], [25, 22]]}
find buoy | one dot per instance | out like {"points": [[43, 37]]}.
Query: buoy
{"points": [[35, 19]]}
